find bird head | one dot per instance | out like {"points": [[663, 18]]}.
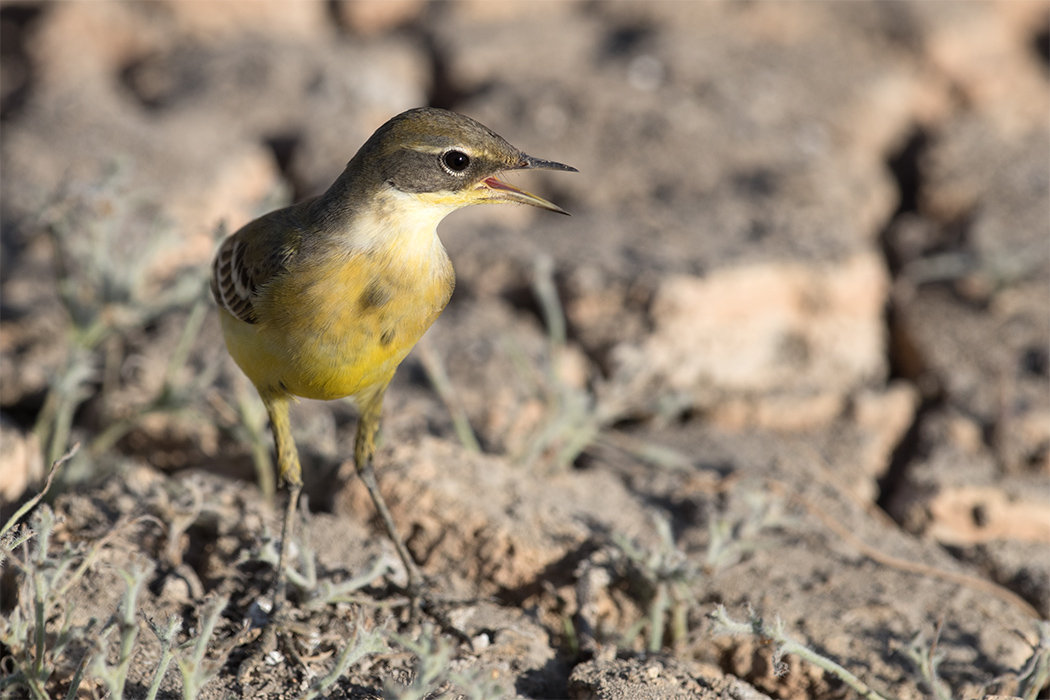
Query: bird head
{"points": [[447, 160]]}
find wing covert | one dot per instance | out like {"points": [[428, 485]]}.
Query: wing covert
{"points": [[233, 283]]}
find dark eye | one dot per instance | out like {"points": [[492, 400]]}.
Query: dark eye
{"points": [[456, 161]]}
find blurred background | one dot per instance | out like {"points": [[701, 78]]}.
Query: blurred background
{"points": [[803, 234]]}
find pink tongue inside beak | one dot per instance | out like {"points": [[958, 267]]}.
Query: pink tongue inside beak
{"points": [[513, 194], [495, 184]]}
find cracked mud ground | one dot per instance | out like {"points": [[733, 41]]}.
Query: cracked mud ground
{"points": [[791, 353]]}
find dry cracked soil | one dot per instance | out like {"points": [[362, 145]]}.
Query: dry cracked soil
{"points": [[789, 358]]}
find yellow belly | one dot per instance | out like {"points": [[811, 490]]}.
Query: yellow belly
{"points": [[340, 327]]}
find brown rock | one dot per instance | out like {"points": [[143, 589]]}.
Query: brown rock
{"points": [[216, 20], [655, 678], [967, 515], [21, 461], [984, 49], [477, 523], [765, 329], [369, 17]]}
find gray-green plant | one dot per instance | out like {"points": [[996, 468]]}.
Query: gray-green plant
{"points": [[927, 659], [314, 591], [35, 656], [774, 633], [43, 643], [730, 539], [1031, 679], [1034, 676], [360, 645], [434, 675], [194, 666], [115, 676], [574, 417], [666, 579], [433, 655], [105, 282]]}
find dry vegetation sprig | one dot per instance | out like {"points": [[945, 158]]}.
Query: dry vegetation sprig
{"points": [[363, 642], [167, 637], [668, 579], [927, 659], [105, 270], [34, 656], [1035, 675], [433, 672], [31, 503], [758, 627], [730, 539], [174, 396], [251, 429], [318, 592], [1030, 680], [433, 655], [41, 638], [325, 592], [575, 417], [578, 417], [195, 668], [434, 366], [573, 420], [115, 676]]}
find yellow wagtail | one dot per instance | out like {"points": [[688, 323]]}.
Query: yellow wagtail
{"points": [[323, 299]]}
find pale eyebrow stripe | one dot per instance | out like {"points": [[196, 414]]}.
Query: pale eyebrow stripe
{"points": [[434, 149]]}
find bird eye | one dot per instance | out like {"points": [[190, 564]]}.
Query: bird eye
{"points": [[456, 161]]}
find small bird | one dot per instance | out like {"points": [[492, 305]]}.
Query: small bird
{"points": [[324, 299]]}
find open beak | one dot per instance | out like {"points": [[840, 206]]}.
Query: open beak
{"points": [[503, 191]]}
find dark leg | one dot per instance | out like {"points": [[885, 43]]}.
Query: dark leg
{"points": [[287, 530], [364, 449], [415, 577], [290, 473]]}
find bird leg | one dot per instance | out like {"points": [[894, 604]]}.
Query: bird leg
{"points": [[287, 529], [290, 473], [364, 450]]}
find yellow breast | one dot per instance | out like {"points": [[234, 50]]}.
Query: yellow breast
{"points": [[339, 322]]}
